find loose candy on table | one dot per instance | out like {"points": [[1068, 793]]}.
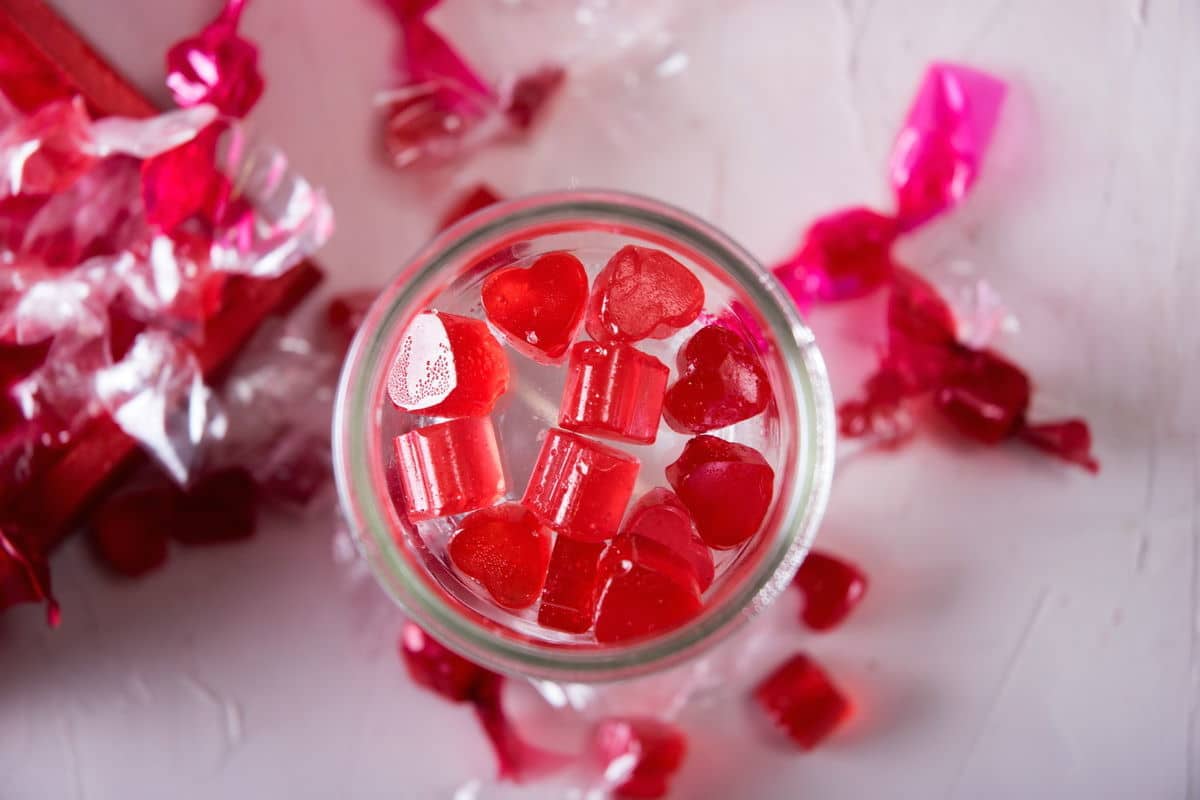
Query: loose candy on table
{"points": [[216, 66], [613, 391], [642, 293], [572, 583], [832, 589], [219, 507], [448, 366], [449, 468], [640, 754], [580, 487], [538, 308], [660, 516], [721, 382], [726, 486], [802, 702], [647, 590], [346, 312], [984, 396], [475, 199], [507, 550], [129, 532], [934, 163]]}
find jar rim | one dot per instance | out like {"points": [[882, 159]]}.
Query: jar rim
{"points": [[362, 499]]}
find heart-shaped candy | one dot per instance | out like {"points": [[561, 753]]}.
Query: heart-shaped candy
{"points": [[538, 309], [507, 550], [642, 293], [726, 486], [721, 382], [660, 516]]}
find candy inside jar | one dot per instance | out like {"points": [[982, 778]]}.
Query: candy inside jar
{"points": [[575, 428]]}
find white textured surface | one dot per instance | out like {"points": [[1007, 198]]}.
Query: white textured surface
{"points": [[1031, 631]]}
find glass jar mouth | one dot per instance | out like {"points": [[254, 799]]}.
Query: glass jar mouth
{"points": [[366, 501]]}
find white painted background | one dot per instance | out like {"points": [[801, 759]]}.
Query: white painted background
{"points": [[1031, 631]]}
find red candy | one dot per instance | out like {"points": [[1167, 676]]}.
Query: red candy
{"points": [[507, 550], [220, 507], [538, 309], [130, 531], [478, 198], [648, 590], [985, 397], [645, 752], [846, 254], [448, 366], [726, 486], [801, 701], [530, 93], [721, 382], [642, 293], [613, 391], [659, 516], [449, 468], [216, 66], [580, 487], [569, 599], [437, 668], [183, 183], [346, 312], [832, 588]]}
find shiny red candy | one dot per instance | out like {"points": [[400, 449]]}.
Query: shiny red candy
{"points": [[221, 506], [659, 516], [47, 151], [800, 701], [183, 183], [437, 668], [580, 487], [832, 588], [569, 599], [613, 391], [985, 396], [448, 366], [727, 487], [216, 66], [530, 93], [130, 531], [647, 590], [507, 550], [721, 382], [539, 308], [449, 468], [642, 293], [645, 752], [1070, 440], [478, 198], [844, 255], [346, 312]]}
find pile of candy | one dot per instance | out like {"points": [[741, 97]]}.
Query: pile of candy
{"points": [[564, 542]]}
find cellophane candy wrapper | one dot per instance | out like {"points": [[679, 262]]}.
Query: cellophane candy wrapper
{"points": [[448, 102], [111, 295]]}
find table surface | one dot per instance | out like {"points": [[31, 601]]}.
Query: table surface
{"points": [[1031, 631]]}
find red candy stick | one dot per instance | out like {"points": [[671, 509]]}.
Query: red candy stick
{"points": [[642, 293], [802, 702], [832, 588], [580, 487], [507, 550], [539, 308], [613, 391], [569, 599], [449, 468]]}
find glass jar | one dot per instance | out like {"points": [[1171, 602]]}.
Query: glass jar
{"points": [[797, 430]]}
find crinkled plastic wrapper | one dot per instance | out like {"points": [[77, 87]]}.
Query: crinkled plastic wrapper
{"points": [[118, 299]]}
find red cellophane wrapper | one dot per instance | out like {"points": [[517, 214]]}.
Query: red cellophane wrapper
{"points": [[140, 251]]}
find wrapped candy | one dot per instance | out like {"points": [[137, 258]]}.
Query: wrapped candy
{"points": [[934, 163], [445, 107], [216, 66]]}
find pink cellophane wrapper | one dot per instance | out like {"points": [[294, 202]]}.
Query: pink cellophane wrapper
{"points": [[934, 163], [216, 67], [85, 254]]}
